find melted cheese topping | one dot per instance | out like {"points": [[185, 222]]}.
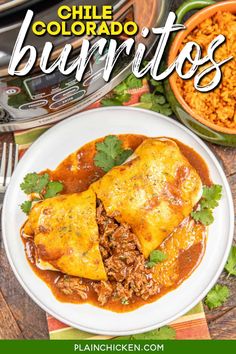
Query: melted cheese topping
{"points": [[153, 192], [188, 234], [66, 235]]}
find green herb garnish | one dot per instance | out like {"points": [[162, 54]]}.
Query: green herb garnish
{"points": [[155, 257], [110, 153], [124, 301], [120, 93], [116, 100], [211, 196], [132, 82], [158, 86], [40, 185], [204, 216], [26, 206], [231, 263], [217, 296], [156, 103], [53, 188], [210, 200], [34, 183]]}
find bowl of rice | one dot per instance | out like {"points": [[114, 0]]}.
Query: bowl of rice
{"points": [[211, 115]]}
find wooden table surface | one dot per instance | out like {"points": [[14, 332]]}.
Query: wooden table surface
{"points": [[21, 318]]}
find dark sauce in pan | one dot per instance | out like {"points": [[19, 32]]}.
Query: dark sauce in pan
{"points": [[78, 179]]}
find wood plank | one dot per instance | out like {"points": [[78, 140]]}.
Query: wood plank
{"points": [[224, 327], [9, 328], [29, 316], [221, 320], [227, 156]]}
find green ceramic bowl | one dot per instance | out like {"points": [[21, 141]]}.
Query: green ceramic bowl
{"points": [[203, 128]]}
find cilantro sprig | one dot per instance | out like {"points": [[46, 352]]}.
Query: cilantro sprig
{"points": [[209, 201], [155, 257], [110, 153], [26, 206], [34, 183], [38, 187], [158, 87], [53, 188], [217, 296], [155, 102], [116, 100], [220, 293], [120, 93], [231, 262], [131, 82]]}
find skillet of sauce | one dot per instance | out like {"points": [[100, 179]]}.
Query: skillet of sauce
{"points": [[78, 179]]}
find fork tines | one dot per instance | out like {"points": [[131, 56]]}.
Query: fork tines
{"points": [[9, 160]]}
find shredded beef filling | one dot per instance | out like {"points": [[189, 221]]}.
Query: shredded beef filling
{"points": [[72, 286], [125, 266]]}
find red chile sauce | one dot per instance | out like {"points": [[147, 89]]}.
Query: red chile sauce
{"points": [[79, 179]]}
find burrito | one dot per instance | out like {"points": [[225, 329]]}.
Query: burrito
{"points": [[65, 235], [153, 192]]}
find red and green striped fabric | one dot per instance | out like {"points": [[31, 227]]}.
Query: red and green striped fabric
{"points": [[193, 325]]}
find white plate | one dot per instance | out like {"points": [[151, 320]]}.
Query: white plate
{"points": [[55, 145]]}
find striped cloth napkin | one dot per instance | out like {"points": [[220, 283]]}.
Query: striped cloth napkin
{"points": [[193, 325]]}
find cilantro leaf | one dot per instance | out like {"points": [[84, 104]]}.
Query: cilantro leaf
{"points": [[121, 88], [123, 156], [40, 184], [209, 201], [158, 86], [104, 161], [124, 97], [110, 153], [155, 257], [110, 101], [26, 206], [156, 103], [217, 296], [111, 145], [211, 196], [132, 82], [34, 183], [231, 263], [116, 100], [163, 333], [120, 93], [205, 216], [166, 110], [154, 99], [53, 188]]}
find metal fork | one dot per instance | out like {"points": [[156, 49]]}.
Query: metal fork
{"points": [[9, 160]]}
